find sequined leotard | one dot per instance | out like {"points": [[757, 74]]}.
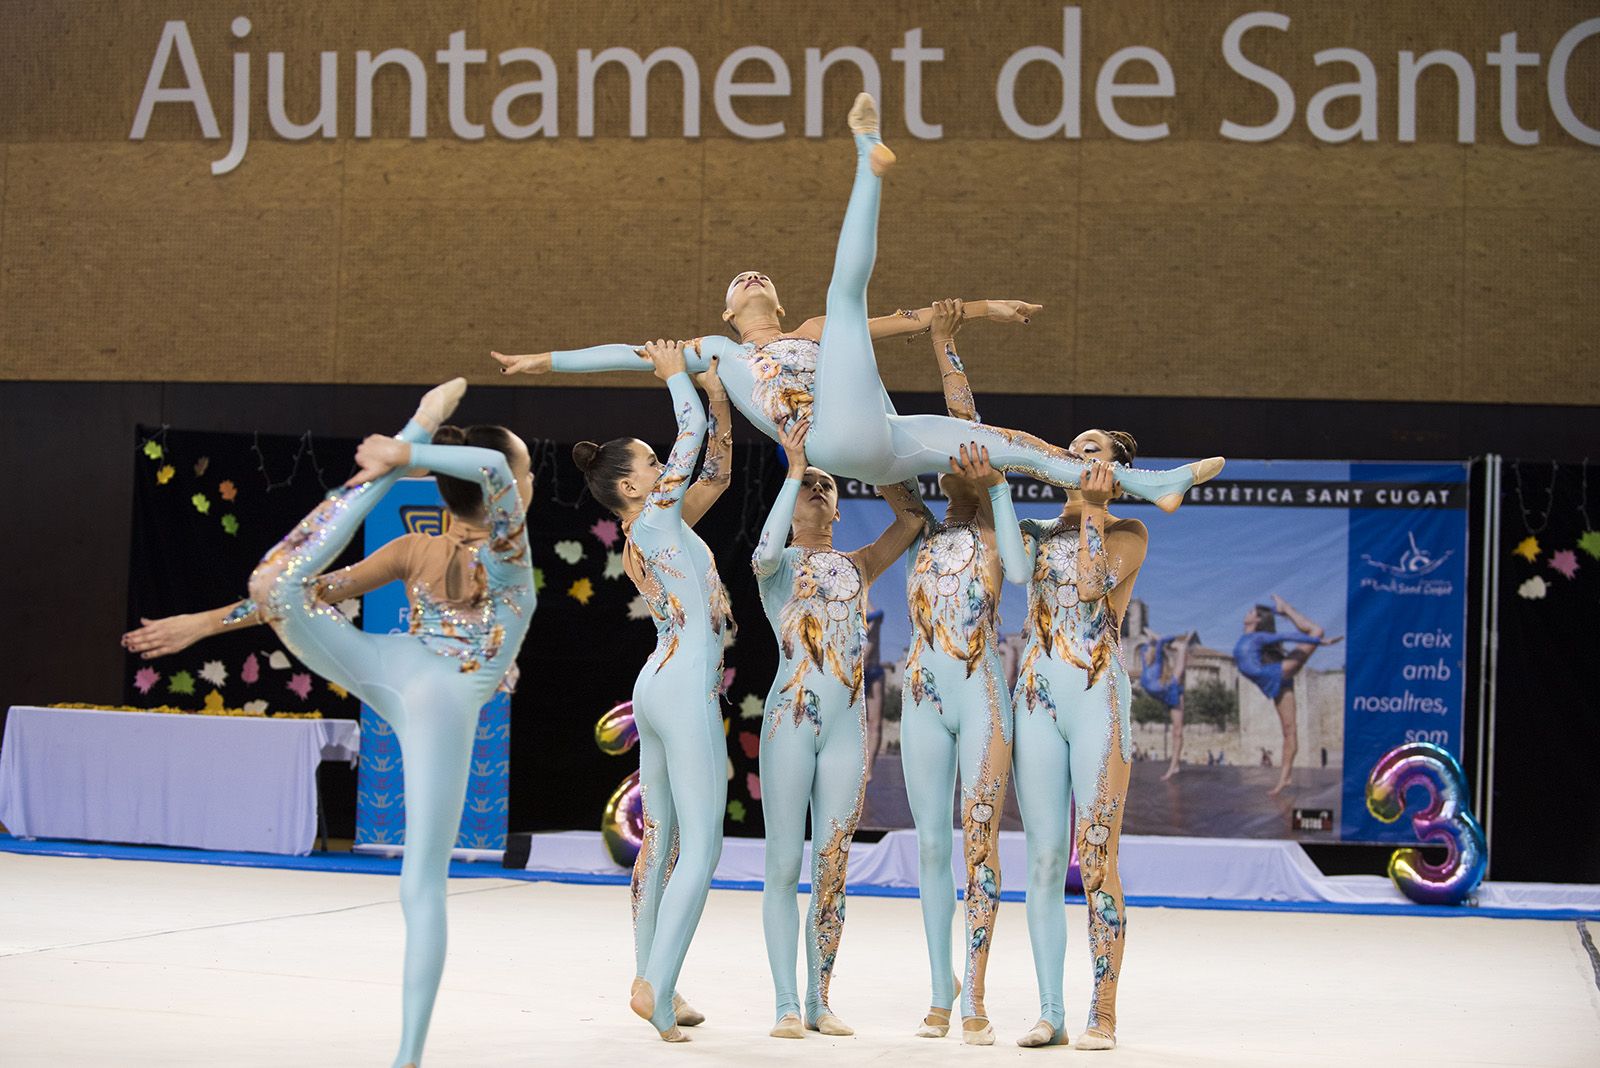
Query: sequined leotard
{"points": [[428, 685], [683, 755]]}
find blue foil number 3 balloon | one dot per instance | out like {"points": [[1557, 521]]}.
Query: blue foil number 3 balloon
{"points": [[1446, 820]]}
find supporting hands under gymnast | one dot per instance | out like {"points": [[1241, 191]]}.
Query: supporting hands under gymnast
{"points": [[1099, 485], [973, 465], [948, 315], [666, 357], [793, 439], [377, 456]]}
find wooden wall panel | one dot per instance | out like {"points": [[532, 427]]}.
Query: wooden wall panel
{"points": [[1194, 264]]}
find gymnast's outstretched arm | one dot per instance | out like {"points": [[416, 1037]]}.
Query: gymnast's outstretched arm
{"points": [[697, 357], [909, 323]]}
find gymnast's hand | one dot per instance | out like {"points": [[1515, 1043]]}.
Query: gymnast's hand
{"points": [[793, 440], [709, 380], [948, 316], [532, 363], [1098, 485], [163, 637], [666, 356], [974, 466], [1012, 311], [377, 456]]}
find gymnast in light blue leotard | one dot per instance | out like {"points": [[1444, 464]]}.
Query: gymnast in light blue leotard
{"points": [[814, 745], [472, 596], [1263, 660], [683, 755], [828, 371]]}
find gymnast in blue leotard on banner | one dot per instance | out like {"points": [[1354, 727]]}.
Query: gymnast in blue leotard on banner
{"points": [[1162, 678], [828, 372], [1262, 658]]}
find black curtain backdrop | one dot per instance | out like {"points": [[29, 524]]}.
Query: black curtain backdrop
{"points": [[208, 505], [1546, 818]]}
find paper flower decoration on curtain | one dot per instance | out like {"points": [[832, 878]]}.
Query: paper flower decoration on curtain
{"points": [[1534, 589], [145, 678], [350, 608], [230, 524], [1589, 542], [278, 661], [736, 811], [200, 466], [152, 449], [750, 742], [214, 701], [637, 609], [751, 707], [1566, 562], [605, 532], [214, 673], [255, 706], [569, 550], [339, 690], [300, 684], [581, 591], [1527, 548], [538, 579], [182, 682], [727, 679], [614, 569], [227, 490], [752, 783], [201, 502], [164, 475], [251, 670]]}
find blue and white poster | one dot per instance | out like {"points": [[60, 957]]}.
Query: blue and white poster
{"points": [[1240, 728], [412, 506]]}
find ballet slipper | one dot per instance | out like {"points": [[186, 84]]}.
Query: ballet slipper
{"points": [[935, 1025], [975, 1031], [829, 1024], [1092, 1040], [788, 1027], [1203, 471], [439, 403], [688, 1015], [643, 1004], [863, 120], [1044, 1033]]}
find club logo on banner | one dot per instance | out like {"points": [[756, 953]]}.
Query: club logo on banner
{"points": [[1315, 610], [413, 507]]}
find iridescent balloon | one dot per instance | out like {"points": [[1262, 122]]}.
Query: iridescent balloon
{"points": [[622, 822], [1446, 820]]}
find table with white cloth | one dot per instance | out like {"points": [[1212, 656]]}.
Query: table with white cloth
{"points": [[242, 783]]}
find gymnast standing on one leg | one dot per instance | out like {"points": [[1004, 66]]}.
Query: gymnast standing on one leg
{"points": [[1168, 689], [682, 751], [471, 593], [956, 711], [1073, 735], [814, 750], [827, 371], [1262, 659]]}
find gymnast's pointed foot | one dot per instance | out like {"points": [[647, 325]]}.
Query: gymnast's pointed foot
{"points": [[864, 123], [688, 1015], [643, 1004], [1044, 1033], [789, 1026], [829, 1024], [439, 404], [1172, 769], [1094, 1038], [935, 1025], [1285, 781], [1199, 471]]}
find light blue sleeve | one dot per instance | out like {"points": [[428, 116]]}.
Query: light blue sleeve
{"points": [[697, 356], [1014, 558], [769, 549], [664, 506]]}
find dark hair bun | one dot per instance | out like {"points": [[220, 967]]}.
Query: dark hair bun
{"points": [[1125, 449], [584, 454], [449, 435]]}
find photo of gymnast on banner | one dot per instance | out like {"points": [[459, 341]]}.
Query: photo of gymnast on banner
{"points": [[1299, 620]]}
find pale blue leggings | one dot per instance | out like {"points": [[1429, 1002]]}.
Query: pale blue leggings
{"points": [[424, 694]]}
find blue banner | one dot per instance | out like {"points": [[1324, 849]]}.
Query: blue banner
{"points": [[1372, 556], [414, 506]]}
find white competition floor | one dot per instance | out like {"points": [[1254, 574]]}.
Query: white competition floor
{"points": [[139, 963]]}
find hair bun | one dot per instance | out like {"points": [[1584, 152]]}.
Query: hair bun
{"points": [[1125, 445], [449, 435], [584, 454]]}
